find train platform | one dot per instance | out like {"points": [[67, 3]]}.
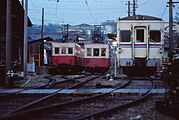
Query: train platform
{"points": [[80, 91]]}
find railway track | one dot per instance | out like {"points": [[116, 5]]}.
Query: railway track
{"points": [[60, 83], [36, 100], [130, 102], [89, 102], [55, 110]]}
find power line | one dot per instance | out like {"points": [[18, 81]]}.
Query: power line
{"points": [[90, 1], [83, 9], [176, 19], [34, 6], [164, 12], [145, 3], [56, 7], [86, 2]]}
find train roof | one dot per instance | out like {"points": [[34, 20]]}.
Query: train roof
{"points": [[140, 17]]}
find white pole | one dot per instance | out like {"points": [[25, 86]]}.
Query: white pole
{"points": [[115, 64]]}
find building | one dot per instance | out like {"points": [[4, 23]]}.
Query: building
{"points": [[17, 27]]}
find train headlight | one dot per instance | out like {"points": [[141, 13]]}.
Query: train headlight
{"points": [[160, 50], [120, 50]]}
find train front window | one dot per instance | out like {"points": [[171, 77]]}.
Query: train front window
{"points": [[89, 51], [57, 50], [70, 50], [63, 50], [103, 51], [125, 36], [95, 52], [140, 36], [155, 36]]}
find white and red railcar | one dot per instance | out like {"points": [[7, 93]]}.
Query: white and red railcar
{"points": [[66, 57], [96, 57]]}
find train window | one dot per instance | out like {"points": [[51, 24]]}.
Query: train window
{"points": [[57, 50], [140, 36], [103, 51], [63, 50], [125, 36], [155, 36], [89, 51], [70, 50], [95, 52]]}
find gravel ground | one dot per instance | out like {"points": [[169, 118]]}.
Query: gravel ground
{"points": [[143, 111], [34, 81]]}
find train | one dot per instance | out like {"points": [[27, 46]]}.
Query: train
{"points": [[96, 57], [139, 50], [140, 45], [69, 57], [66, 57]]}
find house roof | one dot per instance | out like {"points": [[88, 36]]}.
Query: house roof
{"points": [[40, 40]]}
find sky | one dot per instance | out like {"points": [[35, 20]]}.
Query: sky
{"points": [[93, 12]]}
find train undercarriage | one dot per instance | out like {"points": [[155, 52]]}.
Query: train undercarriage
{"points": [[139, 68], [96, 70], [65, 69]]}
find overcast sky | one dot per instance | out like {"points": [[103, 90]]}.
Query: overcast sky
{"points": [[93, 11]]}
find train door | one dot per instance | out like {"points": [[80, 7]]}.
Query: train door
{"points": [[140, 46]]}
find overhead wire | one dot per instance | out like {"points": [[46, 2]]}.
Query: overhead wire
{"points": [[34, 6], [90, 0], [164, 12], [112, 10], [83, 8], [56, 11], [86, 2], [49, 13], [145, 3], [176, 14], [56, 7]]}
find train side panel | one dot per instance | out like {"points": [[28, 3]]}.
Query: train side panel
{"points": [[96, 62], [71, 60]]}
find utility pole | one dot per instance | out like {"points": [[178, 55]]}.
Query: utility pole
{"points": [[129, 8], [134, 7], [25, 39], [42, 42], [42, 30], [8, 38], [170, 53], [170, 30]]}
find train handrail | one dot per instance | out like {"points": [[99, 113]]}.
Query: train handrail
{"points": [[148, 35], [132, 40]]}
